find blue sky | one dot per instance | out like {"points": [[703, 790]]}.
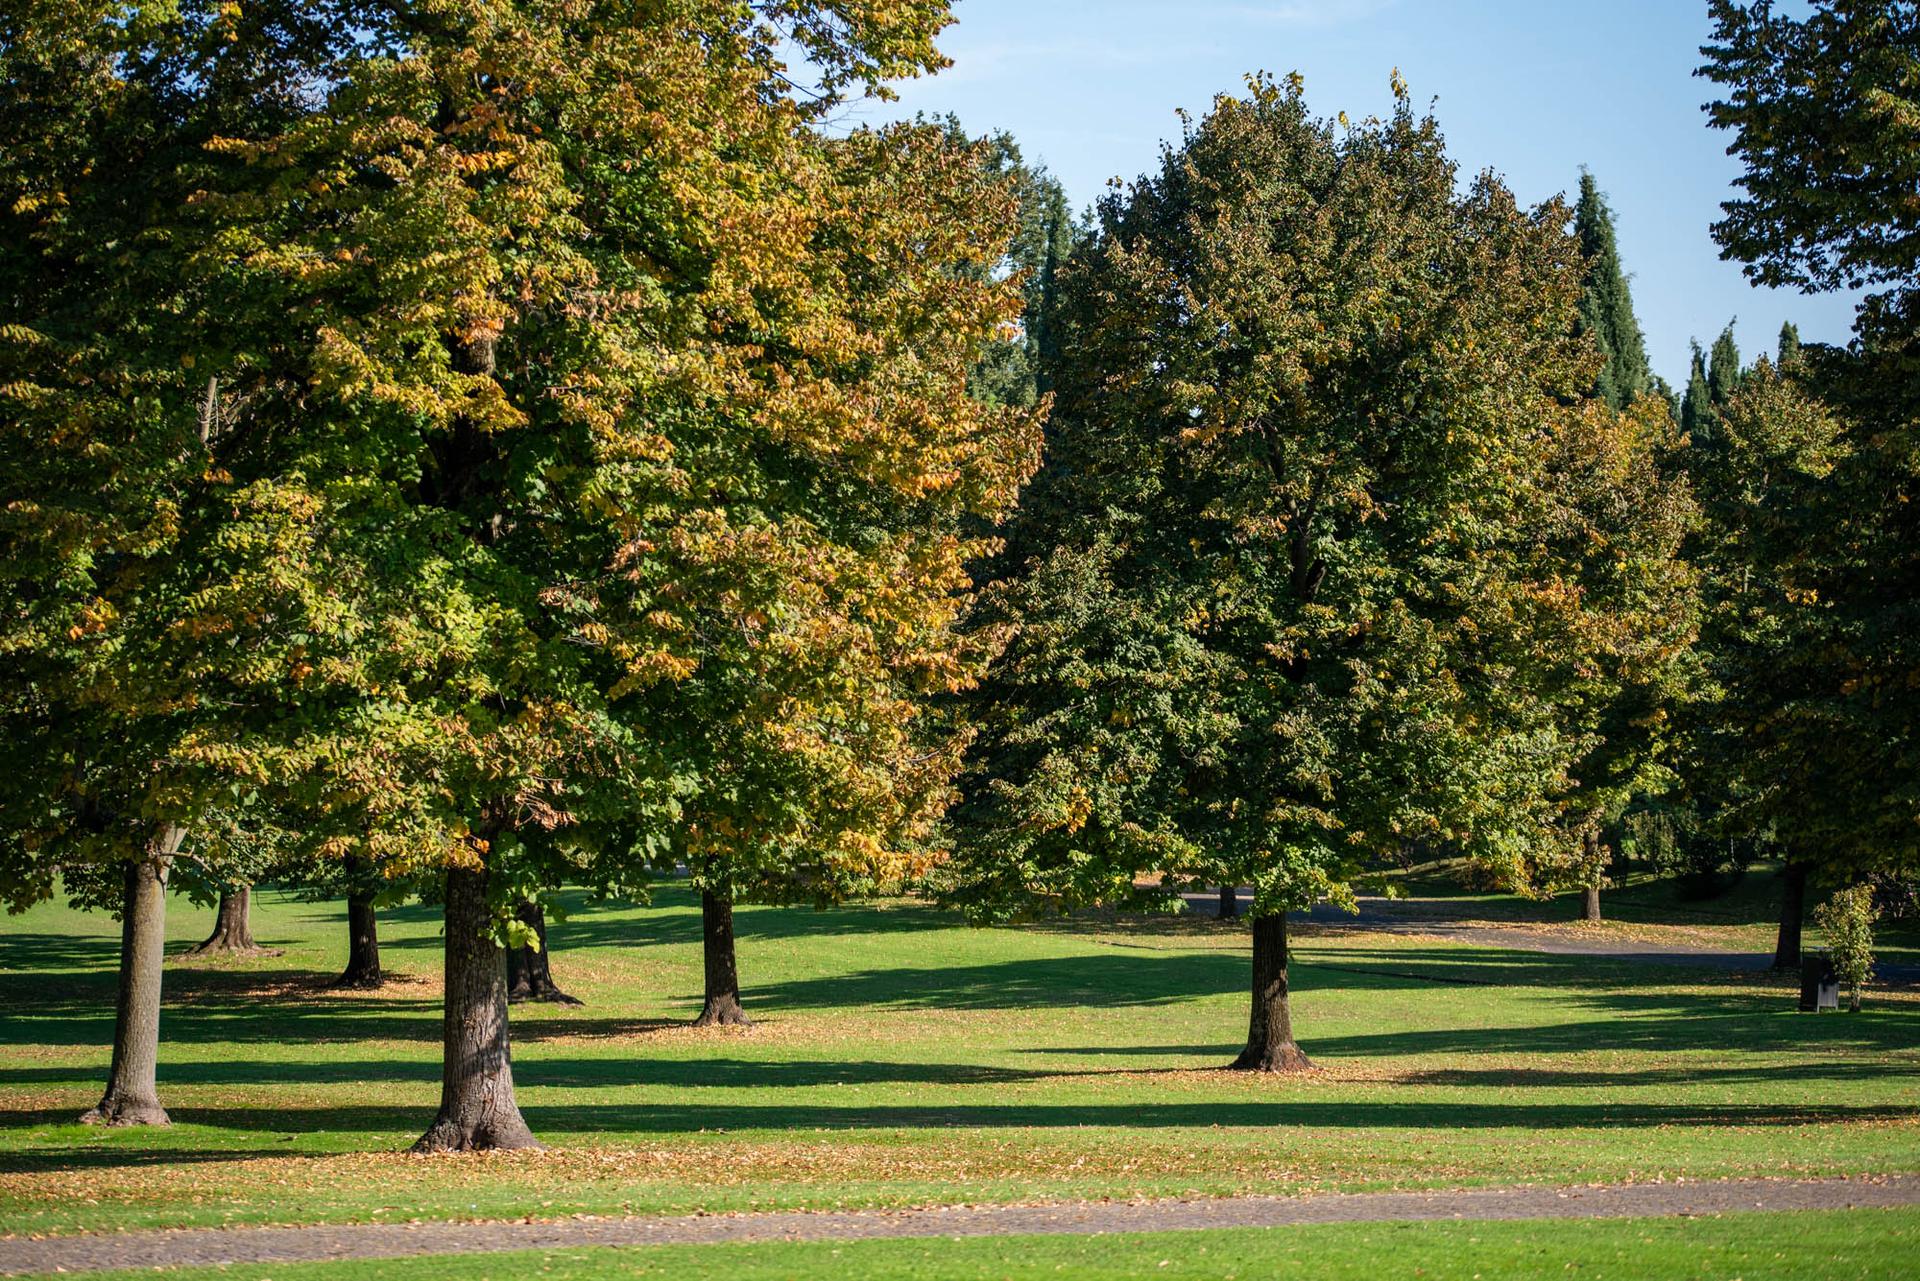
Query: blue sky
{"points": [[1532, 89]]}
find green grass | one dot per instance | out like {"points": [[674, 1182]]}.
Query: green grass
{"points": [[1758, 1247], [903, 1058]]}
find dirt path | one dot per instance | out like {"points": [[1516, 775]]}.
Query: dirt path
{"points": [[1441, 918], [217, 1246]]}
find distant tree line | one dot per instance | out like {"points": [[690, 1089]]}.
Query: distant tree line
{"points": [[461, 449]]}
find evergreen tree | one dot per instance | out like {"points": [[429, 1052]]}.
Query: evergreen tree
{"points": [[1606, 303], [1012, 371], [1723, 368], [1789, 351], [1697, 416]]}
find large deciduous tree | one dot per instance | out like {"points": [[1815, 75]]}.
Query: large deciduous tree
{"points": [[1305, 391], [150, 540], [1821, 526], [652, 461]]}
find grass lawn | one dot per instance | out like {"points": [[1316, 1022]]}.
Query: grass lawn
{"points": [[903, 1058], [1865, 1244]]}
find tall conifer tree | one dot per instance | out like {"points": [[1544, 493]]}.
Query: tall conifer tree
{"points": [[1606, 302]]}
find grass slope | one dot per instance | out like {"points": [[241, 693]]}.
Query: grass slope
{"points": [[903, 1058]]}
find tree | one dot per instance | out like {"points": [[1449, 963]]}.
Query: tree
{"points": [[826, 599], [1611, 521], [1013, 369], [1697, 416], [1788, 353], [1820, 111], [363, 926], [146, 537], [1279, 630], [530, 963], [1723, 370], [1766, 487], [651, 479], [1606, 303], [1848, 919]]}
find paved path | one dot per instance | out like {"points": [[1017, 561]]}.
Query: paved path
{"points": [[1440, 918], [216, 1246]]}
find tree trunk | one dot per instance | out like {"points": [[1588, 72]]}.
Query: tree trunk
{"points": [[1229, 902], [477, 1107], [1270, 1044], [232, 926], [363, 931], [133, 1096], [530, 969], [722, 1006], [1590, 893], [1793, 910]]}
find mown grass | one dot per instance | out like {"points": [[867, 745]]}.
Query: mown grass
{"points": [[903, 1058], [1870, 1245]]}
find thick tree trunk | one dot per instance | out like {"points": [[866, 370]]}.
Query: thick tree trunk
{"points": [[232, 926], [363, 932], [1229, 902], [722, 1006], [530, 969], [1590, 893], [1270, 1044], [132, 1096], [477, 1107], [1793, 910]]}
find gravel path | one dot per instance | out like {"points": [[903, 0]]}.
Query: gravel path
{"points": [[215, 1246], [1439, 918]]}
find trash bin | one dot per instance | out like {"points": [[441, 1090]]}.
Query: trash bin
{"points": [[1819, 984]]}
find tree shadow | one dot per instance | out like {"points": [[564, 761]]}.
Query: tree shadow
{"points": [[565, 1073], [1099, 981], [693, 1116]]}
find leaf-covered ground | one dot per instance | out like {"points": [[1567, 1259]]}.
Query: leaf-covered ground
{"points": [[903, 1058]]}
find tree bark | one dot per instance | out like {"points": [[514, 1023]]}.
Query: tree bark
{"points": [[232, 926], [363, 931], [477, 1107], [1229, 902], [1270, 1043], [1793, 910], [530, 969], [132, 1096], [722, 1006], [1590, 893]]}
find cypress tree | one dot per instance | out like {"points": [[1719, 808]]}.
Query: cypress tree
{"points": [[1606, 302], [1723, 367], [1789, 344], [1696, 407]]}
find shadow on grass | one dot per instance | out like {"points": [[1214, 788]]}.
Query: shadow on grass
{"points": [[588, 1121], [565, 1073], [673, 919]]}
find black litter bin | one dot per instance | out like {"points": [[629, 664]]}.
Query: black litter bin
{"points": [[1816, 972]]}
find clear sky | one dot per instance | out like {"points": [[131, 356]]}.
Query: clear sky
{"points": [[1532, 89]]}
